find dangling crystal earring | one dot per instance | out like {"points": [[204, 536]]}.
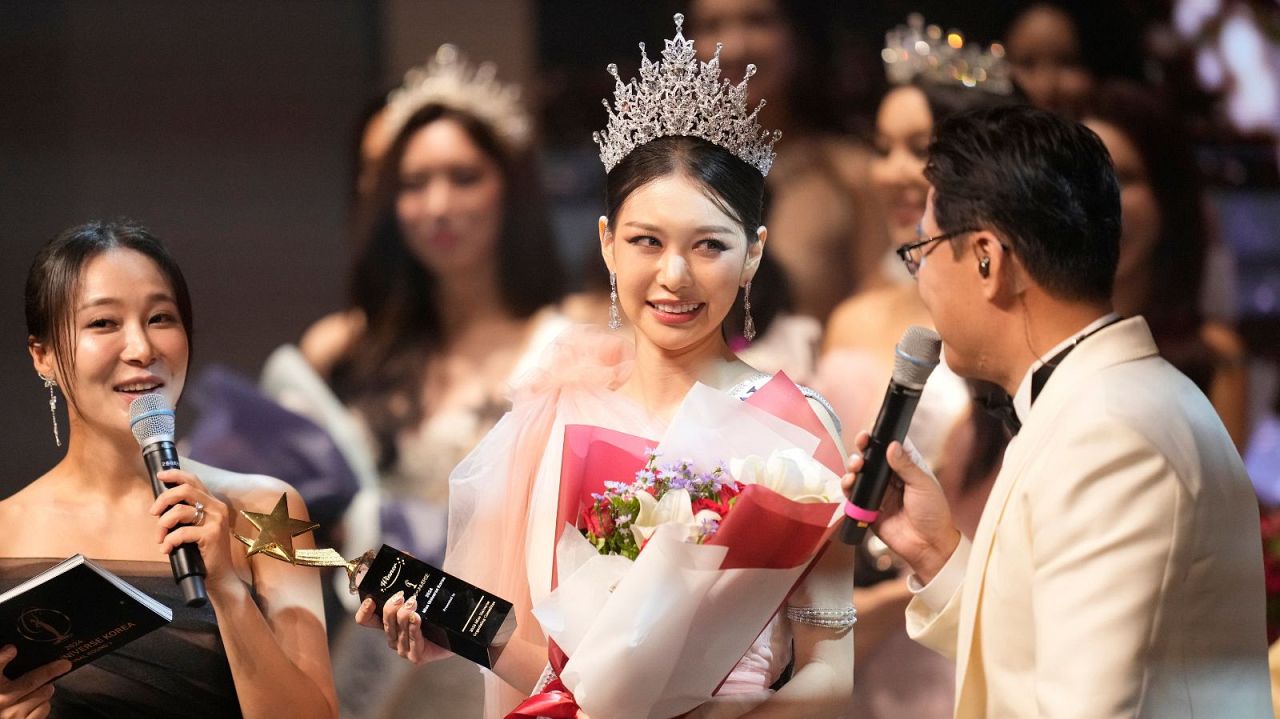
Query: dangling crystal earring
{"points": [[615, 319], [49, 384], [749, 325]]}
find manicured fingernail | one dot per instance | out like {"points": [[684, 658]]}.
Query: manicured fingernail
{"points": [[412, 603], [397, 598]]}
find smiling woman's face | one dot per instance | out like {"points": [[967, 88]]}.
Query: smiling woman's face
{"points": [[904, 125], [450, 201], [680, 261], [127, 339]]}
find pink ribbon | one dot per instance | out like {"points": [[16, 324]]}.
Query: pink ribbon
{"points": [[555, 701]]}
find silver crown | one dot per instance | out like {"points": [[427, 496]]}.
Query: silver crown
{"points": [[681, 96], [448, 79], [913, 50]]}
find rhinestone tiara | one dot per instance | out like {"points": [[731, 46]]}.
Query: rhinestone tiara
{"points": [[680, 95], [915, 51], [448, 79]]}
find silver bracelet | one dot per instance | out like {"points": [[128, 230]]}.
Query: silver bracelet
{"points": [[548, 675], [841, 618]]}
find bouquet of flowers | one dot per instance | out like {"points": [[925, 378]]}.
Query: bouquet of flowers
{"points": [[662, 583], [624, 516]]}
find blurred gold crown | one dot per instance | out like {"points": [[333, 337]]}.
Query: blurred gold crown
{"points": [[447, 79], [915, 51], [681, 96]]}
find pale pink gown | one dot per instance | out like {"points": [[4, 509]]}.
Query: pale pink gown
{"points": [[503, 500]]}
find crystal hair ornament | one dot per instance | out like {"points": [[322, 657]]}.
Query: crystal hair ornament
{"points": [[915, 51], [447, 79], [679, 95]]}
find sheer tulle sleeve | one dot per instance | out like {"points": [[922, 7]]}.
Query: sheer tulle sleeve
{"points": [[490, 491]]}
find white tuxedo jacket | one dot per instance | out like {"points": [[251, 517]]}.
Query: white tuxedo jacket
{"points": [[1117, 569]]}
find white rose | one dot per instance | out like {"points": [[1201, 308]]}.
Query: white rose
{"points": [[674, 507], [789, 472]]}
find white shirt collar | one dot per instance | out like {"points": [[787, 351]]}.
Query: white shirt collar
{"points": [[1022, 398]]}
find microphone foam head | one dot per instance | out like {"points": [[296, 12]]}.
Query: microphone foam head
{"points": [[915, 356], [151, 418]]}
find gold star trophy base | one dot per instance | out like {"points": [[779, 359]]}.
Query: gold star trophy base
{"points": [[456, 615], [275, 539]]}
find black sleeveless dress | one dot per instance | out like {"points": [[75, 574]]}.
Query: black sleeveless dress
{"points": [[179, 670]]}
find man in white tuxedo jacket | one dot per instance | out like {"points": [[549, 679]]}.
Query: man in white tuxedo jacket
{"points": [[1117, 568]]}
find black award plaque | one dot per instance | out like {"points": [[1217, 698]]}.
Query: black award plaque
{"points": [[456, 615]]}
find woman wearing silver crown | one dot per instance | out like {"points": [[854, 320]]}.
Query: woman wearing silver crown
{"points": [[452, 293], [682, 238]]}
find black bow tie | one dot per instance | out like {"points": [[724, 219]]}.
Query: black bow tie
{"points": [[998, 402]]}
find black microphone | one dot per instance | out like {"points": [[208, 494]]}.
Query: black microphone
{"points": [[151, 419], [914, 359]]}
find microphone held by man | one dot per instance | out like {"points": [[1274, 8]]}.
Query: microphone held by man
{"points": [[915, 357]]}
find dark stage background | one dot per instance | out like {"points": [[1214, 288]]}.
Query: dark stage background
{"points": [[228, 128]]}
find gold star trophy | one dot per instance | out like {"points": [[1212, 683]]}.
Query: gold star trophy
{"points": [[456, 615]]}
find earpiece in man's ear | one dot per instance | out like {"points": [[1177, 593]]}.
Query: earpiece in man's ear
{"points": [[984, 266]]}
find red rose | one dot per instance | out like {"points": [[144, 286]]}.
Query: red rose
{"points": [[1270, 525], [719, 507], [607, 524], [590, 523], [728, 491], [598, 519], [1273, 583]]}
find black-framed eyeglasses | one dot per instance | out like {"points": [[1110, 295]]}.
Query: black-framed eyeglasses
{"points": [[913, 253]]}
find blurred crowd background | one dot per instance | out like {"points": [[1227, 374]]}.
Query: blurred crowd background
{"points": [[231, 129], [251, 137]]}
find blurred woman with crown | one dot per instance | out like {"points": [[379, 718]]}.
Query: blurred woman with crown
{"points": [[109, 320], [933, 74], [452, 295], [682, 239]]}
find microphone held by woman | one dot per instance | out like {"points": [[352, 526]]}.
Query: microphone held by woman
{"points": [[151, 419]]}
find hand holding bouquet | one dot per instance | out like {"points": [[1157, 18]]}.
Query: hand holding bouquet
{"points": [[665, 580]]}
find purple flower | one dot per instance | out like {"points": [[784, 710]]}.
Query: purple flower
{"points": [[707, 527], [645, 479]]}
